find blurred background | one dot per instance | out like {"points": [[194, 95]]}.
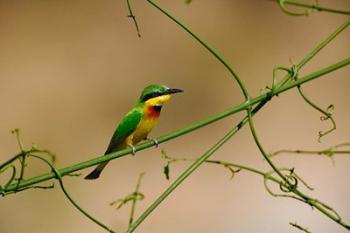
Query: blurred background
{"points": [[70, 70]]}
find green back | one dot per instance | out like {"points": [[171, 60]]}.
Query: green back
{"points": [[127, 126]]}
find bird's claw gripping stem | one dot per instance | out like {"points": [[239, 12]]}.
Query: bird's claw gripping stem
{"points": [[155, 141], [133, 152]]}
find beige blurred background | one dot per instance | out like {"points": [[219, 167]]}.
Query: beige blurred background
{"points": [[70, 70]]}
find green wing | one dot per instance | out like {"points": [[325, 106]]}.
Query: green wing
{"points": [[125, 128]]}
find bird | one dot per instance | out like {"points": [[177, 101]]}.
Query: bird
{"points": [[138, 122]]}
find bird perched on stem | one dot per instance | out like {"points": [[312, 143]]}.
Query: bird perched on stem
{"points": [[138, 122]]}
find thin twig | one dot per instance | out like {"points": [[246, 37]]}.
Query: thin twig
{"points": [[133, 204], [299, 227], [133, 17], [328, 152], [21, 158]]}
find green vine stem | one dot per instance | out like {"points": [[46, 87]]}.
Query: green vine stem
{"points": [[259, 99], [132, 197], [314, 52], [307, 8], [289, 12], [205, 45], [22, 158], [74, 203], [133, 204], [257, 142], [32, 153], [292, 187], [322, 207], [12, 177]]}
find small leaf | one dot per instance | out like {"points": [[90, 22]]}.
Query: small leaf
{"points": [[328, 153], [112, 203], [330, 109], [166, 171]]}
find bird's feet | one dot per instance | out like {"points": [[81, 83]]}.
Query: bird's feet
{"points": [[155, 141], [133, 152]]}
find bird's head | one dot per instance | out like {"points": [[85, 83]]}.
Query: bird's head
{"points": [[157, 94]]}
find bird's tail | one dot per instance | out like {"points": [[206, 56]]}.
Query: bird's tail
{"points": [[96, 172]]}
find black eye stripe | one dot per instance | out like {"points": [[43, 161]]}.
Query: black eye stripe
{"points": [[150, 96]]}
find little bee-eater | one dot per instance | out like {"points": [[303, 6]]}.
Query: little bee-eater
{"points": [[138, 122]]}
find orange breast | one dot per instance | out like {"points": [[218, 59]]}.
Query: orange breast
{"points": [[147, 123], [153, 111]]}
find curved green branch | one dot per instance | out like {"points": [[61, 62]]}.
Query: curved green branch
{"points": [[74, 203], [289, 12], [307, 7], [206, 46], [327, 115]]}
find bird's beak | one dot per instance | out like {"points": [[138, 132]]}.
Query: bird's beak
{"points": [[173, 91]]}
